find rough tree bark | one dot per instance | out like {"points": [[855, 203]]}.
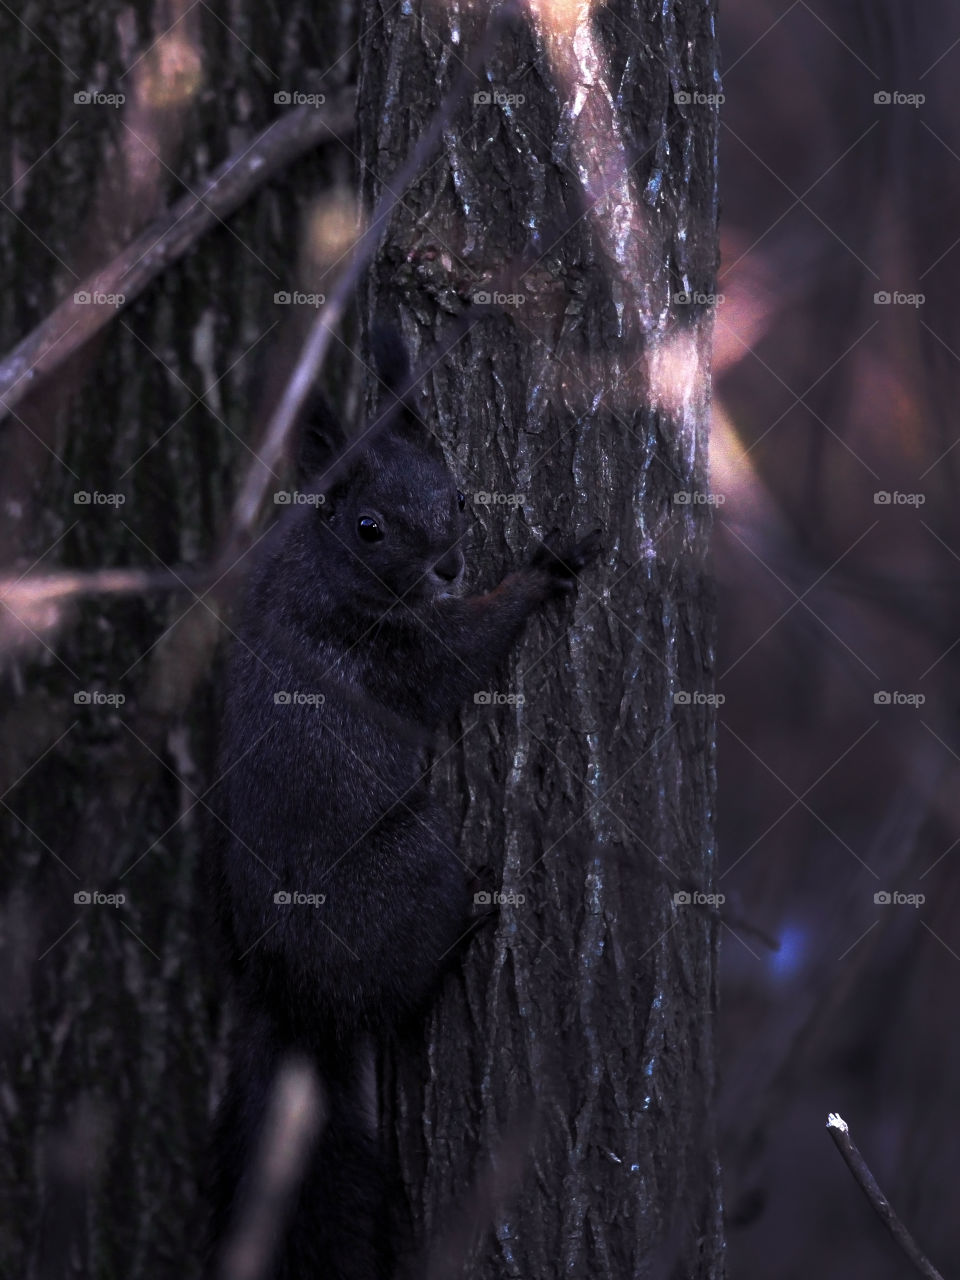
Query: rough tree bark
{"points": [[595, 198], [574, 198]]}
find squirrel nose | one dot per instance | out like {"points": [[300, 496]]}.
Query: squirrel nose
{"points": [[448, 567]]}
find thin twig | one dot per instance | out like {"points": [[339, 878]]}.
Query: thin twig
{"points": [[296, 1116], [51, 588], [905, 816], [72, 323], [840, 1133]]}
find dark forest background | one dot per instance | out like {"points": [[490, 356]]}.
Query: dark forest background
{"points": [[834, 459]]}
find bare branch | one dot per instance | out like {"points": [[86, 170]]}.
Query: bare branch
{"points": [[295, 1118], [30, 592], [71, 324], [840, 1133]]}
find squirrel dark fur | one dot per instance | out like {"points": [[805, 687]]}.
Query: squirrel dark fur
{"points": [[355, 598]]}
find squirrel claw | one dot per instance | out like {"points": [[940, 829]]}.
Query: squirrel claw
{"points": [[563, 566]]}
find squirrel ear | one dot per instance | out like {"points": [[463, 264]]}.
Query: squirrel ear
{"points": [[392, 366], [390, 357], [321, 438], [397, 411]]}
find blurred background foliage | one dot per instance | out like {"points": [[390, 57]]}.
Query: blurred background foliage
{"points": [[826, 401]]}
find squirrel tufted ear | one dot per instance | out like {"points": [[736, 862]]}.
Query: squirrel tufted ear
{"points": [[390, 357], [397, 381], [392, 366], [320, 438]]}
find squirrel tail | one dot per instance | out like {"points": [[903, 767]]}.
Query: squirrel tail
{"points": [[337, 1224]]}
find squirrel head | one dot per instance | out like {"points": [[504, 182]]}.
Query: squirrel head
{"points": [[392, 512]]}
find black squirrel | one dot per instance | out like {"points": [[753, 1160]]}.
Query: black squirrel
{"points": [[354, 645]]}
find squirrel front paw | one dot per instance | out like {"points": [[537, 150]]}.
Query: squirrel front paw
{"points": [[563, 565]]}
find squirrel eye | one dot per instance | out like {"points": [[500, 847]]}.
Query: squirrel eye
{"points": [[368, 529], [461, 499]]}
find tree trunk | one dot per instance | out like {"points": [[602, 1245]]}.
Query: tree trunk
{"points": [[571, 201], [579, 1042]]}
